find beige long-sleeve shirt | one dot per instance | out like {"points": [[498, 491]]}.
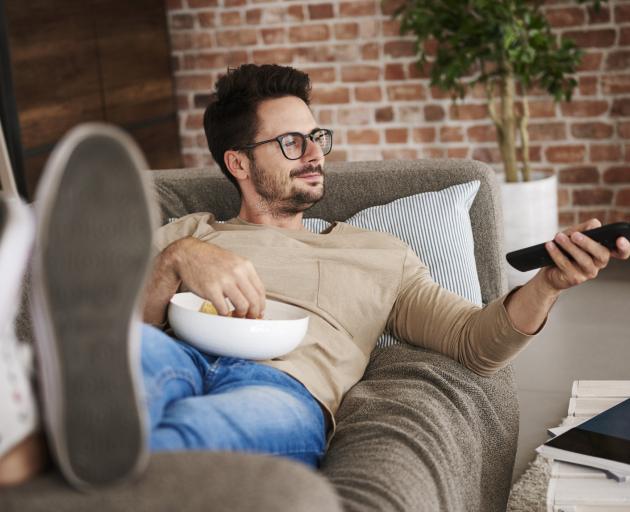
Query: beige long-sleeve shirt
{"points": [[354, 284]]}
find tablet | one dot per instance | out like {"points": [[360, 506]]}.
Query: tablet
{"points": [[602, 442]]}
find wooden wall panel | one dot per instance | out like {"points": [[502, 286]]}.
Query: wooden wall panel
{"points": [[75, 61]]}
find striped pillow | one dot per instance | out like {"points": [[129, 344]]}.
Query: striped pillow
{"points": [[436, 225]]}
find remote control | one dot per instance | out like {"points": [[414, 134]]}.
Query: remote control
{"points": [[537, 256]]}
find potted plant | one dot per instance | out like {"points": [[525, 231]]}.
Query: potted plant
{"points": [[507, 47]]}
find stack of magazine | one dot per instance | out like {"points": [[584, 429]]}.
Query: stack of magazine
{"points": [[591, 449]]}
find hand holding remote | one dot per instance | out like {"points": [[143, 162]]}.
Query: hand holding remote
{"points": [[577, 254]]}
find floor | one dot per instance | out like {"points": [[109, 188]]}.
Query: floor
{"points": [[586, 337]]}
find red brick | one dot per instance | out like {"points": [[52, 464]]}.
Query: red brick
{"points": [[193, 82], [359, 8], [370, 51], [585, 215], [394, 72], [275, 56], [601, 15], [592, 196], [309, 33], [194, 121], [337, 155], [591, 62], [384, 114], [564, 199], [273, 35], [600, 38], [605, 152], [623, 129], [244, 37], [325, 117], [586, 174], [417, 72], [482, 133], [622, 13], [623, 197], [547, 131], [624, 36], [565, 17], [423, 134], [621, 107], [390, 6], [369, 93], [542, 108], [565, 154], [360, 73], [616, 84], [363, 137], [396, 135], [327, 74], [440, 94], [353, 116], [618, 60], [619, 174], [204, 61], [433, 112], [206, 19], [183, 101], [406, 92], [584, 108], [400, 49], [233, 3], [587, 85], [592, 130], [451, 134], [488, 155], [200, 4], [253, 16], [467, 112], [231, 18], [457, 152], [320, 11], [432, 152], [391, 28], [181, 21], [618, 216], [400, 154], [566, 219], [173, 5], [331, 95], [369, 29], [410, 114], [347, 30], [181, 41]]}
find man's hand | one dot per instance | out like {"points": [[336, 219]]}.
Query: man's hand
{"points": [[216, 274], [589, 257]]}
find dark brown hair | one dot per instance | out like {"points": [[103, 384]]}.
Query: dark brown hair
{"points": [[230, 119]]}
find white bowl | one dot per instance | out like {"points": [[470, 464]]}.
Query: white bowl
{"points": [[283, 329]]}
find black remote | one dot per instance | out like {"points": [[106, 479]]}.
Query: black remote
{"points": [[537, 256]]}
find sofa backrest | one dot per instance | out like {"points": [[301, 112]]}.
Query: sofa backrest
{"points": [[354, 186]]}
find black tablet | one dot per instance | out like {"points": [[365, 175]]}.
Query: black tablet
{"points": [[605, 436]]}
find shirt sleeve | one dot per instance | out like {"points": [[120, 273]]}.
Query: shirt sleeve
{"points": [[427, 315], [197, 225]]}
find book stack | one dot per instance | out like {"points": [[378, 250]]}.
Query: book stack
{"points": [[577, 488]]}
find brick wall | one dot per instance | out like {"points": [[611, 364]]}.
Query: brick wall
{"points": [[367, 88]]}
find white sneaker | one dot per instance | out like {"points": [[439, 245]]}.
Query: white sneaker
{"points": [[18, 411], [95, 224]]}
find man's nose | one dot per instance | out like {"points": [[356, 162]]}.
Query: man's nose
{"points": [[313, 150]]}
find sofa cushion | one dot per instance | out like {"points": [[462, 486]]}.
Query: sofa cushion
{"points": [[436, 225]]}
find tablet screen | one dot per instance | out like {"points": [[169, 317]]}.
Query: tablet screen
{"points": [[607, 435]]}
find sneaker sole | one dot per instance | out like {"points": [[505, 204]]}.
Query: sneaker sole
{"points": [[91, 262]]}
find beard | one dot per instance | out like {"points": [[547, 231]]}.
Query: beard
{"points": [[280, 196]]}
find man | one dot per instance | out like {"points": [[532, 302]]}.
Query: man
{"points": [[263, 135]]}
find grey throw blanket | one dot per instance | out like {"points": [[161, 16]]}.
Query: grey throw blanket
{"points": [[421, 432]]}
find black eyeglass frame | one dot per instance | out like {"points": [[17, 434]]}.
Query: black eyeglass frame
{"points": [[305, 137]]}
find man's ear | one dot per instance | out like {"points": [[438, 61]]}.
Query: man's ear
{"points": [[237, 163]]}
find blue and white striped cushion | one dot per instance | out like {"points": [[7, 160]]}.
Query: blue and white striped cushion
{"points": [[436, 225]]}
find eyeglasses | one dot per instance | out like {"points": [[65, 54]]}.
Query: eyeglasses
{"points": [[293, 144]]}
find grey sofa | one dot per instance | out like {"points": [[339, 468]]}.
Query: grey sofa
{"points": [[419, 432]]}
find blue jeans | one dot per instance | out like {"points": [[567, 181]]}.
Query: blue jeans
{"points": [[202, 402]]}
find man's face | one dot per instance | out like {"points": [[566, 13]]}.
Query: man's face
{"points": [[286, 187]]}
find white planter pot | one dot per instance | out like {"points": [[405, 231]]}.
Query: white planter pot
{"points": [[530, 216]]}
